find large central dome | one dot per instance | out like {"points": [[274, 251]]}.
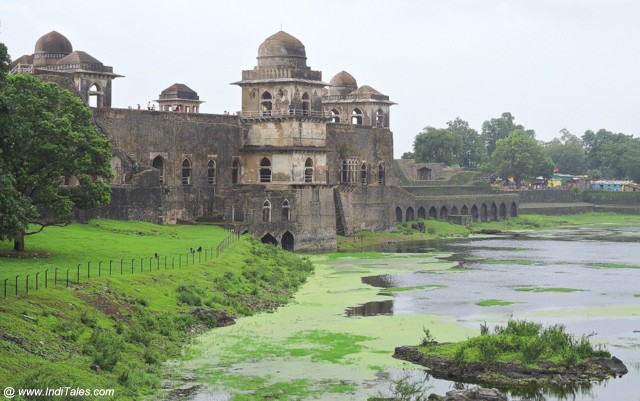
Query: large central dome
{"points": [[282, 49], [55, 43]]}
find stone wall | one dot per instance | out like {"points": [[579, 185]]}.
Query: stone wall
{"points": [[612, 198], [547, 196]]}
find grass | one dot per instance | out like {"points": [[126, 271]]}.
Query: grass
{"points": [[533, 222], [130, 324], [519, 342], [495, 302], [547, 289]]}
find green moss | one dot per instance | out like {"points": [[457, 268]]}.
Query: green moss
{"points": [[533, 222], [393, 290], [495, 302], [614, 266]]}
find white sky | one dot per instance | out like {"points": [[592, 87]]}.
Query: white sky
{"points": [[553, 64]]}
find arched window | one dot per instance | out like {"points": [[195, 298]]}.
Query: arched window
{"points": [[363, 173], [308, 170], [398, 214], [356, 117], [380, 118], [96, 96], [286, 211], [345, 172], [235, 171], [410, 214], [381, 174], [306, 103], [186, 172], [266, 211], [335, 116], [265, 170], [266, 104], [211, 172], [422, 213], [158, 163]]}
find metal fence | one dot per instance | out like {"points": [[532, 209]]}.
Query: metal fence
{"points": [[62, 277]]}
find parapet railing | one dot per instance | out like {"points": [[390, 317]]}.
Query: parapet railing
{"points": [[22, 284], [283, 114]]}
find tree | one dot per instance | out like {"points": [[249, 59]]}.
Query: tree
{"points": [[407, 155], [500, 128], [46, 135], [568, 153], [437, 145], [520, 156], [613, 155], [472, 151]]}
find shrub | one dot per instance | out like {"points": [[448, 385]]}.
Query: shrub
{"points": [[427, 338], [189, 296], [105, 347]]}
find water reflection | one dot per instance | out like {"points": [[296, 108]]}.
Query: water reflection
{"points": [[371, 309]]}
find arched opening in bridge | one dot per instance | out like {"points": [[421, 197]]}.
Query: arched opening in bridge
{"points": [[493, 215], [483, 212], [433, 213], [454, 211], [422, 214], [514, 209], [410, 214], [444, 213], [474, 213], [398, 214], [503, 211], [287, 241], [269, 239]]}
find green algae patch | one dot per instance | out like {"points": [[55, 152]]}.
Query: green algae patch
{"points": [[326, 346], [548, 289], [393, 290], [495, 302], [613, 266], [636, 295]]}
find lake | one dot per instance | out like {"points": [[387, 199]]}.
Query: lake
{"points": [[335, 340]]}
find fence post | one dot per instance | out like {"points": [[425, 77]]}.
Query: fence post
{"points": [[187, 260], [27, 286], [68, 278], [199, 256], [78, 273], [173, 262], [88, 271], [132, 259], [5, 287], [46, 278], [150, 262], [99, 268], [37, 274], [165, 262], [110, 266], [17, 284], [205, 255], [121, 260], [55, 277], [141, 264], [180, 261]]}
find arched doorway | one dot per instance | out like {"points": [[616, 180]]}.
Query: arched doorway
{"points": [[269, 239], [186, 172], [483, 212], [503, 211], [398, 215], [308, 170], [443, 213], [335, 116], [287, 241], [158, 164], [410, 214], [306, 103], [356, 117], [514, 209], [474, 213], [464, 211], [433, 213], [422, 214], [493, 215], [454, 211], [266, 102]]}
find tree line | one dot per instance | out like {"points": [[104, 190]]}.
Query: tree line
{"points": [[507, 149]]}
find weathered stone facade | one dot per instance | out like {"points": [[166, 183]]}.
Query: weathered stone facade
{"points": [[297, 164]]}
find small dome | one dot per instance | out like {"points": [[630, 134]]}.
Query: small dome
{"points": [[79, 57], [53, 42], [179, 91], [343, 78], [281, 49]]}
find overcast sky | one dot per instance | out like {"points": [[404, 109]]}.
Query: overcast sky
{"points": [[553, 64]]}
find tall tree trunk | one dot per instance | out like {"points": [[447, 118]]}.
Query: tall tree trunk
{"points": [[18, 243]]}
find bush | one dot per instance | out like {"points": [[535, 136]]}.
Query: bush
{"points": [[189, 296], [105, 347]]}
